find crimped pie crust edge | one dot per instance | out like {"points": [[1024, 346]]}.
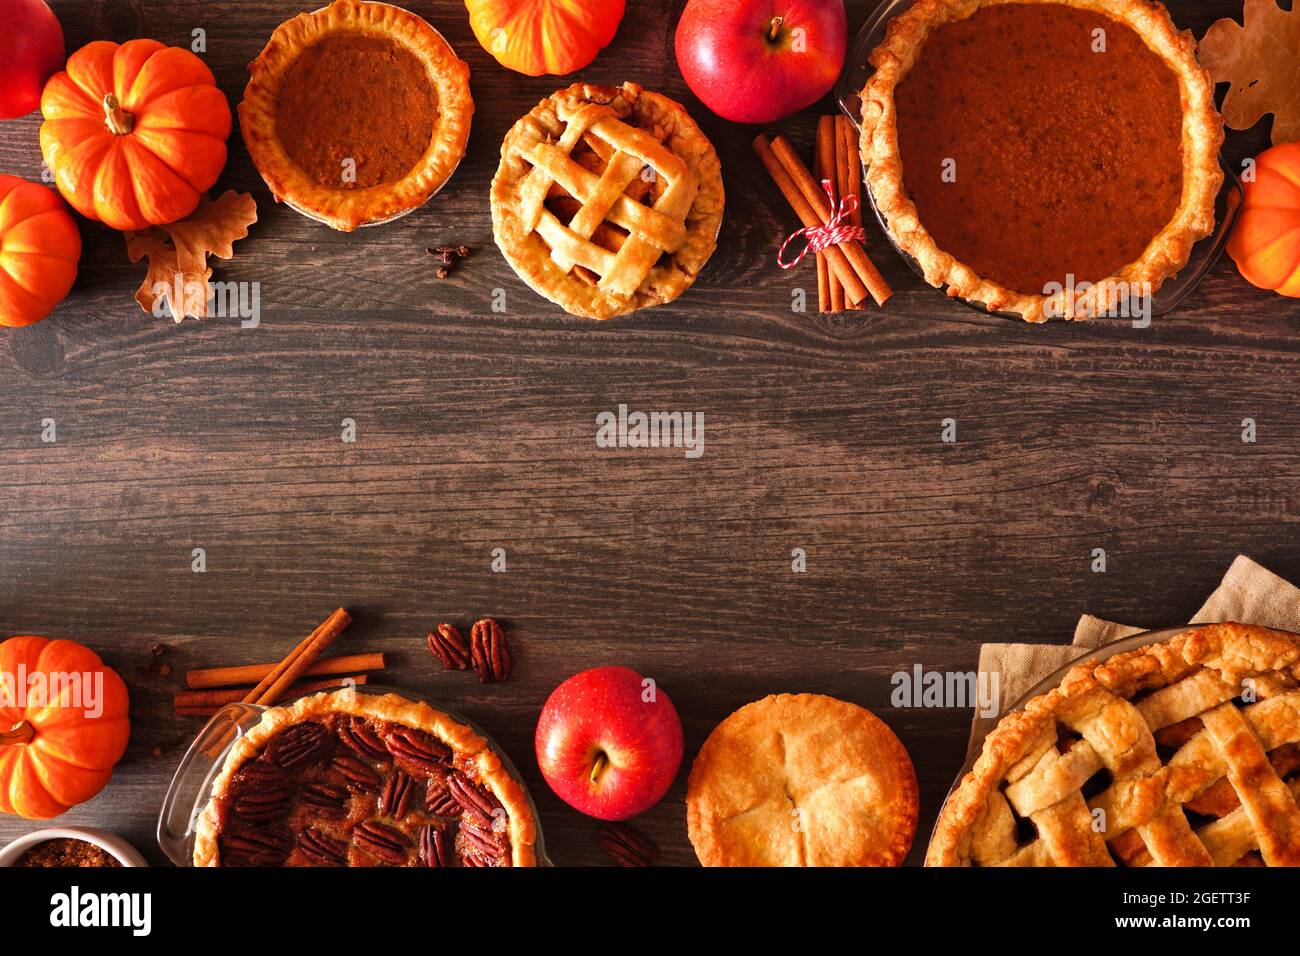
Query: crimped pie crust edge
{"points": [[391, 707], [1167, 252]]}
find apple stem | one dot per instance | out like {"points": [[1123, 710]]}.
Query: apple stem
{"points": [[118, 120], [20, 733], [602, 761], [774, 29]]}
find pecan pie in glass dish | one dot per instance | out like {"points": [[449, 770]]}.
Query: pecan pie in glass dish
{"points": [[1042, 158], [607, 199], [1184, 751], [353, 779], [357, 113]]}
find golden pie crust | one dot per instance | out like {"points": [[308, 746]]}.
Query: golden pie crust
{"points": [[466, 743], [1153, 757], [376, 111], [1166, 252], [607, 199], [802, 780]]}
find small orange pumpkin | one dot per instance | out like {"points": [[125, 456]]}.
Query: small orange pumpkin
{"points": [[39, 251], [60, 734], [134, 133], [1266, 243], [544, 36]]}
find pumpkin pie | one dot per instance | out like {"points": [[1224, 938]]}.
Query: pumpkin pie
{"points": [[1047, 158], [607, 199], [353, 779], [802, 780], [357, 113]]}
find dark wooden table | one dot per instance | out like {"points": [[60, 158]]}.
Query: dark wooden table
{"points": [[476, 431]]}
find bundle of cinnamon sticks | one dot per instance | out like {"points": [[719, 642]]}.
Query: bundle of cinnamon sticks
{"points": [[845, 276], [210, 689]]}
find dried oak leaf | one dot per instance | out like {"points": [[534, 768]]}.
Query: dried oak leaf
{"points": [[1262, 62], [178, 253]]}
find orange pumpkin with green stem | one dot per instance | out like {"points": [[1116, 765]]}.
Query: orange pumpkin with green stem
{"points": [[1266, 243], [134, 133], [53, 753], [544, 36]]}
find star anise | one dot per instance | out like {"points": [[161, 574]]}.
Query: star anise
{"points": [[362, 738], [254, 848], [382, 842], [358, 774], [436, 847], [300, 746], [417, 748], [488, 651], [627, 846], [449, 646], [396, 797], [322, 849]]}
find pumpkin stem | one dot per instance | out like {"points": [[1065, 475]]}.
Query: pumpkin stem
{"points": [[22, 733], [774, 29], [118, 120]]}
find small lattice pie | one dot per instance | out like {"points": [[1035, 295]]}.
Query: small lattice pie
{"points": [[607, 200], [1181, 753]]}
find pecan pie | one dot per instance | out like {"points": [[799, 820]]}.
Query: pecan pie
{"points": [[607, 200], [1048, 158], [802, 780], [1180, 753], [349, 779], [356, 113]]}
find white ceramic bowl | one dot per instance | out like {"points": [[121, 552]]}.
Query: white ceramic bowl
{"points": [[110, 843]]}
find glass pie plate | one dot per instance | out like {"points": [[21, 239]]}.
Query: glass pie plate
{"points": [[191, 785], [1175, 290], [1053, 680]]}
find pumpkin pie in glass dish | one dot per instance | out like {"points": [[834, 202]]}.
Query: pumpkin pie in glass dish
{"points": [[607, 199], [1042, 158], [357, 113], [356, 779]]}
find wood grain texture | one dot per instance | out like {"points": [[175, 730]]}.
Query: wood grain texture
{"points": [[475, 431]]}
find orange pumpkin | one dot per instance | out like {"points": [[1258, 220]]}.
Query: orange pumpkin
{"points": [[134, 133], [544, 36], [1266, 244], [39, 251], [60, 736]]}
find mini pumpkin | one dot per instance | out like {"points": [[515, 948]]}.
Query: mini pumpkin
{"points": [[134, 133], [39, 251], [1266, 243], [544, 36], [63, 725]]}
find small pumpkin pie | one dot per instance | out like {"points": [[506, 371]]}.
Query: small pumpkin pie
{"points": [[802, 780], [357, 113], [1047, 158]]}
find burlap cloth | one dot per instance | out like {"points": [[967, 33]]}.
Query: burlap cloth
{"points": [[1248, 594]]}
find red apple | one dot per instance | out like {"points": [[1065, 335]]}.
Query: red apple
{"points": [[31, 51], [609, 742], [755, 61]]}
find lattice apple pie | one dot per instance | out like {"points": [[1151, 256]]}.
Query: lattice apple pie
{"points": [[607, 200], [1181, 753]]}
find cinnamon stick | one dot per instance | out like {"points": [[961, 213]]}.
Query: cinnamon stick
{"points": [[270, 688], [864, 271], [825, 167], [848, 170], [854, 289], [188, 702], [246, 674]]}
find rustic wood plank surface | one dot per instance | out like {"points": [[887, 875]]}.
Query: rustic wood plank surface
{"points": [[475, 431]]}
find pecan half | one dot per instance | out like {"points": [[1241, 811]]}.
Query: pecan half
{"points": [[322, 849], [396, 797], [358, 774], [254, 848], [361, 737], [301, 746], [484, 841], [449, 647], [435, 847], [472, 799], [439, 800], [327, 800], [488, 651], [627, 846], [262, 773], [418, 749], [260, 804], [382, 842]]}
